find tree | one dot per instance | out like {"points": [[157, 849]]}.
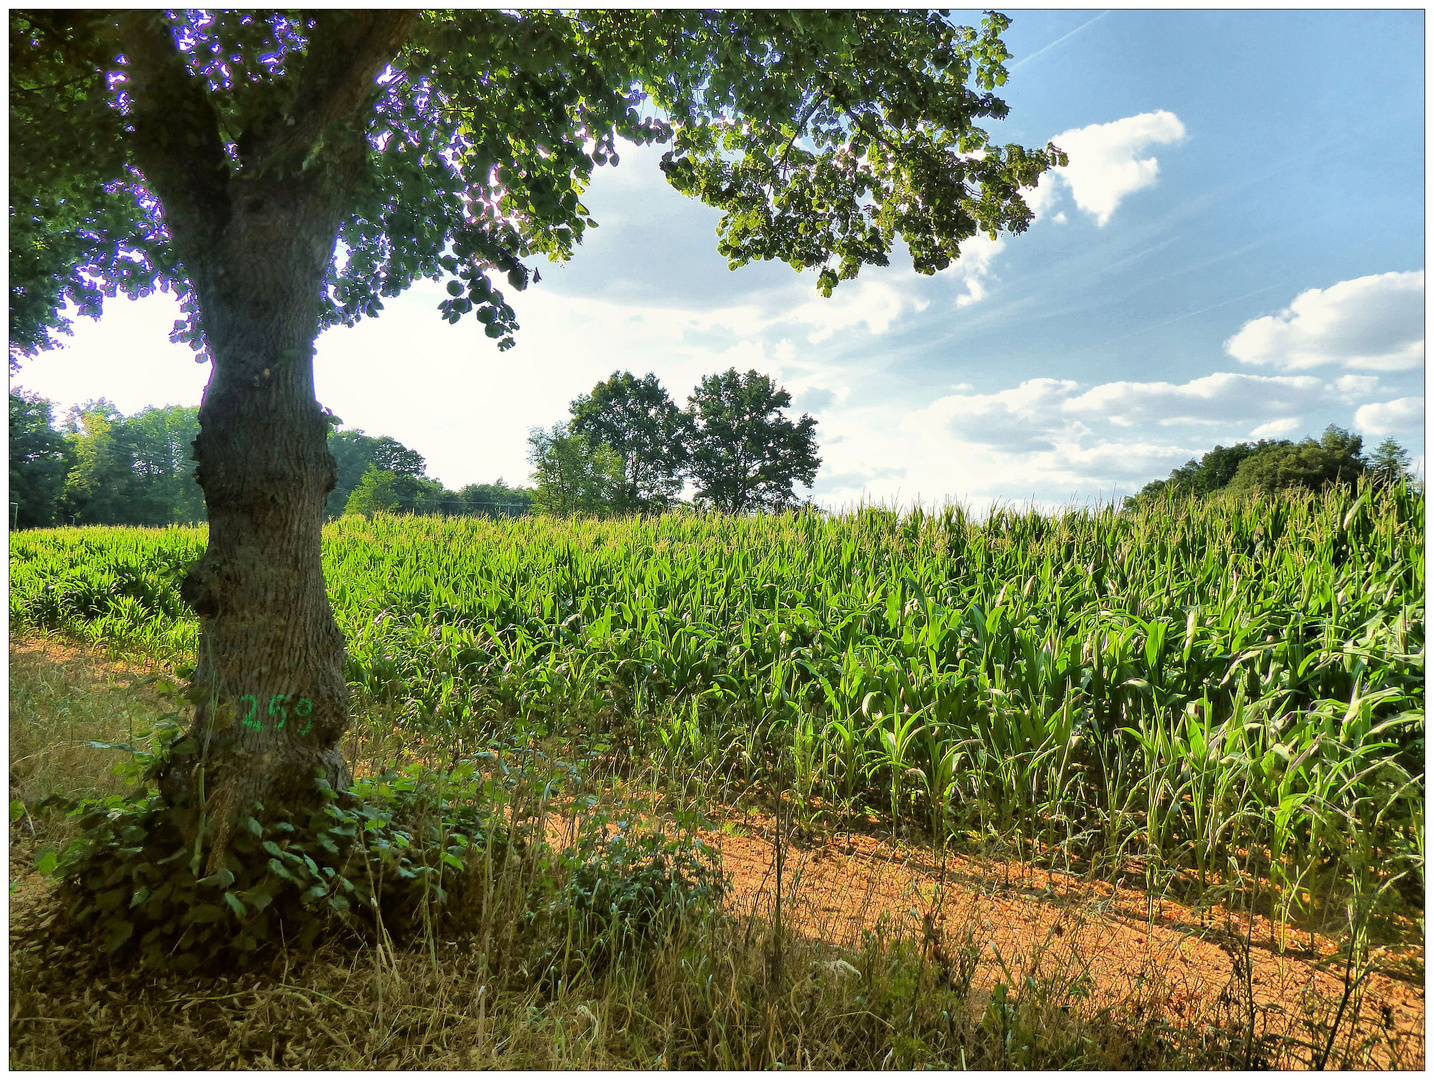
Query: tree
{"points": [[355, 453], [374, 493], [1210, 473], [1269, 465], [495, 500], [136, 470], [162, 441], [745, 454], [641, 424], [223, 155], [1389, 461], [39, 460], [572, 475], [1307, 464]]}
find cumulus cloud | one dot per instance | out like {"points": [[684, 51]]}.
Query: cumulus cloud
{"points": [[1106, 163], [1390, 417], [875, 304], [1023, 419], [817, 398], [1373, 323], [1277, 428], [974, 267], [1058, 435], [1222, 397], [1356, 385]]}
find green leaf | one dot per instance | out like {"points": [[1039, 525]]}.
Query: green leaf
{"points": [[203, 913], [236, 905], [261, 895], [47, 861], [118, 936], [221, 877]]}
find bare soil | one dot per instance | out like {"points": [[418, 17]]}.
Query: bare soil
{"points": [[1129, 951]]}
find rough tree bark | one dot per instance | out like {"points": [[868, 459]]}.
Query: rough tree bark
{"points": [[255, 240]]}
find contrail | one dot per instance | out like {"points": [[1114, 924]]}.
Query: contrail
{"points": [[1179, 318], [1042, 51]]}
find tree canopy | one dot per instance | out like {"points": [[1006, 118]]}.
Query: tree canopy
{"points": [[1272, 465], [39, 461], [574, 475], [1389, 461], [355, 453], [745, 453], [822, 136], [640, 423]]}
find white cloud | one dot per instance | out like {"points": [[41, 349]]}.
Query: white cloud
{"points": [[876, 304], [1106, 163], [1357, 385], [1373, 323], [1055, 439], [1390, 417], [1222, 397], [974, 267], [1020, 420], [1276, 428]]}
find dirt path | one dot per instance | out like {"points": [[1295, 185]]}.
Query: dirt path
{"points": [[1019, 921], [1012, 923]]}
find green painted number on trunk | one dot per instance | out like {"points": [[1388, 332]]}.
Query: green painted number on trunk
{"points": [[248, 720], [282, 713], [304, 708]]}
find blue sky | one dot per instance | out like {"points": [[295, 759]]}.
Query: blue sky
{"points": [[1235, 251]]}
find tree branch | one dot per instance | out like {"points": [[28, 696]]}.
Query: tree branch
{"points": [[347, 51], [176, 142], [800, 128]]}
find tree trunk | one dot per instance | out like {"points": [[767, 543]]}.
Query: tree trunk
{"points": [[254, 224], [273, 702]]}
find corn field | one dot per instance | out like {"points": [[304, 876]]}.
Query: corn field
{"points": [[1214, 691]]}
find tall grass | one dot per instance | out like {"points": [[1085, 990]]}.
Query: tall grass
{"points": [[1216, 692]]}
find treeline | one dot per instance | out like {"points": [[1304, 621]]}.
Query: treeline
{"points": [[100, 467], [1272, 465], [627, 448], [379, 473]]}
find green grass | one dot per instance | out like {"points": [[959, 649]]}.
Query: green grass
{"points": [[1215, 694]]}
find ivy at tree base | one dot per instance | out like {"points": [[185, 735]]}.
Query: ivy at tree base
{"points": [[392, 850]]}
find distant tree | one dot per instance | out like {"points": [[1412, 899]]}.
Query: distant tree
{"points": [[162, 442], [1268, 465], [355, 453], [495, 500], [380, 490], [743, 452], [637, 419], [136, 470], [39, 460], [374, 493], [572, 476], [1389, 461], [1334, 459]]}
